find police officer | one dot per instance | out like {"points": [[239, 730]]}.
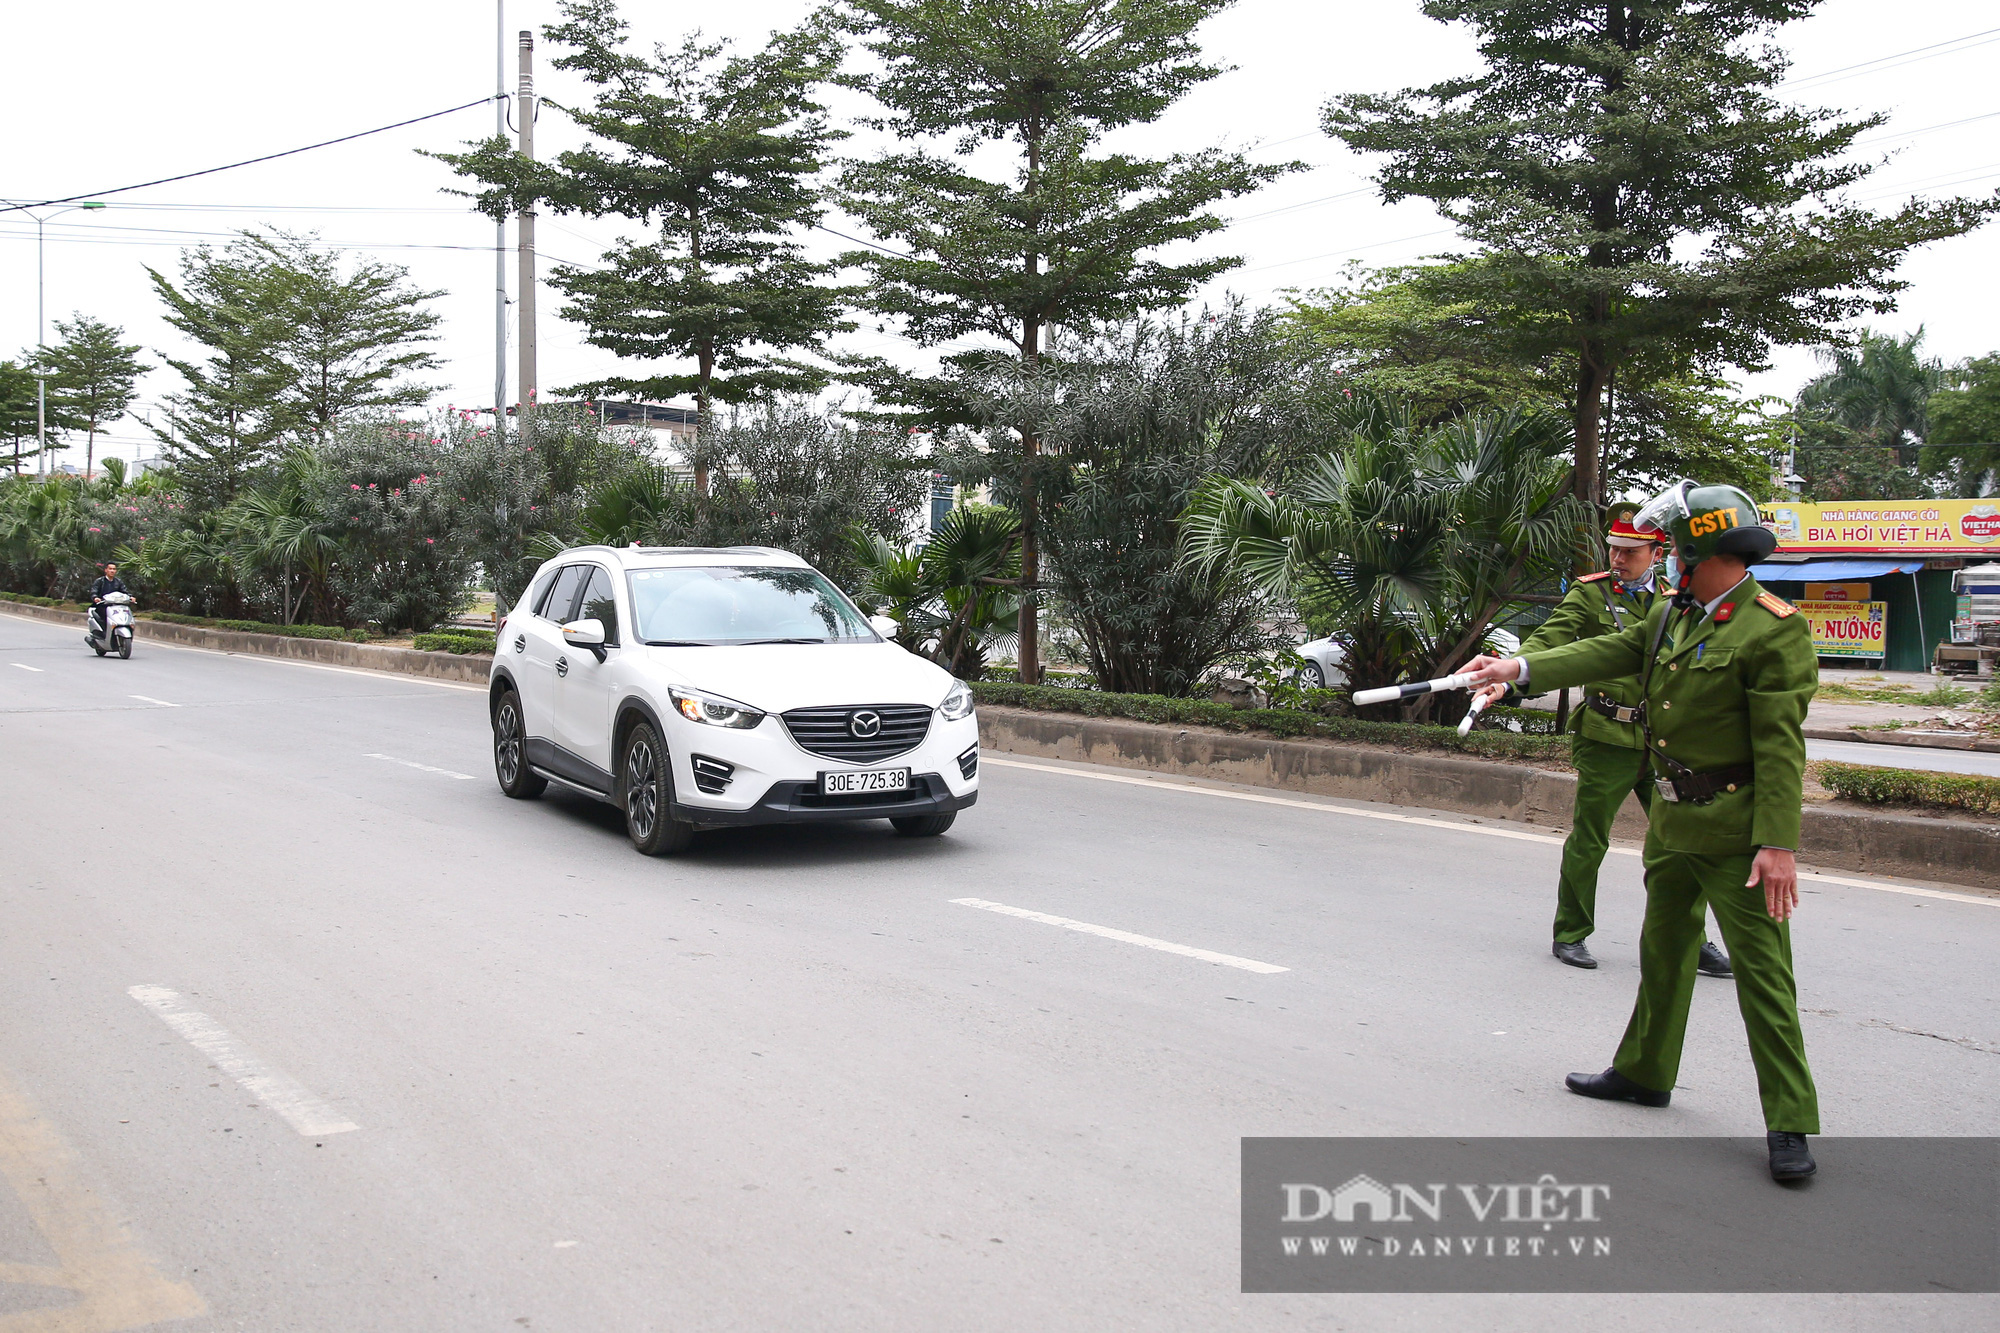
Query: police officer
{"points": [[1607, 749], [1726, 671]]}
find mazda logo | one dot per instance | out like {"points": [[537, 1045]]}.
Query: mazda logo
{"points": [[864, 724]]}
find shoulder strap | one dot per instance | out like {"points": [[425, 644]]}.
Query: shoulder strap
{"points": [[1592, 578], [1776, 605]]}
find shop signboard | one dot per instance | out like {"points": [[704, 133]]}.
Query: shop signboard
{"points": [[1970, 527], [1848, 629]]}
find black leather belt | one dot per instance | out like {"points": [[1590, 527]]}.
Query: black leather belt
{"points": [[1701, 788], [1601, 703]]}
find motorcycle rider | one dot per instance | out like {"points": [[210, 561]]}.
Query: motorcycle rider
{"points": [[107, 584]]}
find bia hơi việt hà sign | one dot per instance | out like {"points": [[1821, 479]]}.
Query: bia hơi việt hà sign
{"points": [[1937, 526]]}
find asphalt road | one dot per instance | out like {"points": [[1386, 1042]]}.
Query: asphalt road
{"points": [[308, 1027]]}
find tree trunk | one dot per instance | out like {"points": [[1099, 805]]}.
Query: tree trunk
{"points": [[1029, 655], [707, 366]]}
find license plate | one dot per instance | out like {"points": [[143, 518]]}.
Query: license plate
{"points": [[871, 780]]}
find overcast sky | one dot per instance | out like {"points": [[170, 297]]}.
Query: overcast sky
{"points": [[119, 92]]}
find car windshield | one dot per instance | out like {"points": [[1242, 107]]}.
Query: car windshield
{"points": [[714, 605]]}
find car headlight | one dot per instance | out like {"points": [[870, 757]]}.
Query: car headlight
{"points": [[712, 710], [957, 704]]}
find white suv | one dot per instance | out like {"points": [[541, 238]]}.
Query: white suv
{"points": [[695, 688]]}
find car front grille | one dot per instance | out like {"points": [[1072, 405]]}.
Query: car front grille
{"points": [[831, 731]]}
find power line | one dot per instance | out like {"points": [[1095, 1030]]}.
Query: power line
{"points": [[1828, 74], [268, 157]]}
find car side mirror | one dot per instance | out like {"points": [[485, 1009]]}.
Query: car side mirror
{"points": [[587, 633], [885, 626]]}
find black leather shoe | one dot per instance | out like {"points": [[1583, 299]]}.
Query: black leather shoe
{"points": [[1612, 1086], [1790, 1158], [1575, 954], [1713, 962]]}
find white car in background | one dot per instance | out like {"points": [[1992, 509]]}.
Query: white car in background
{"points": [[701, 688], [1326, 660]]}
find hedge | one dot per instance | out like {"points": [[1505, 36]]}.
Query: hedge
{"points": [[1903, 786], [456, 641], [261, 627], [39, 601], [1282, 722]]}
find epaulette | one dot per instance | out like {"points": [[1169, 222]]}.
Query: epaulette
{"points": [[1776, 605], [1592, 578]]}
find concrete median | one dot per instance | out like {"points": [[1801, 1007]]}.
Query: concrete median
{"points": [[1956, 851]]}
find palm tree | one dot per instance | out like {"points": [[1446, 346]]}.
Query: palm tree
{"points": [[959, 593], [1409, 540], [280, 527], [1880, 389]]}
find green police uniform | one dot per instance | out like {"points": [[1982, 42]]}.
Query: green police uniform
{"points": [[1609, 754], [1726, 700]]}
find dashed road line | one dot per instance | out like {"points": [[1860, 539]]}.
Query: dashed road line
{"points": [[271, 1086], [426, 768], [149, 699], [25, 667], [1454, 826], [1124, 936]]}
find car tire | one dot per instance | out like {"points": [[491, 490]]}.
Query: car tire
{"points": [[648, 783], [923, 826], [1312, 676], [510, 750]]}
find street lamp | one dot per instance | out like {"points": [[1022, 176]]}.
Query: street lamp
{"points": [[41, 338]]}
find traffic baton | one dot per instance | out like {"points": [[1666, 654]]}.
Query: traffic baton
{"points": [[1471, 716], [1391, 693]]}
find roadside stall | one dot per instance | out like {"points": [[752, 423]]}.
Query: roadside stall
{"points": [[1878, 579]]}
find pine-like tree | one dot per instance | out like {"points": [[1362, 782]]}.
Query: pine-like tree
{"points": [[95, 376], [1633, 190], [719, 154], [1063, 234]]}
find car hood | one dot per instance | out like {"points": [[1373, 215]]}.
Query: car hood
{"points": [[778, 677]]}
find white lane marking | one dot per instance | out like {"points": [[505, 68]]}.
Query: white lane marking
{"points": [[271, 1087], [149, 699], [1126, 936], [411, 763], [25, 667], [1454, 826]]}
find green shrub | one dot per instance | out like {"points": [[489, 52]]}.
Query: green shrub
{"points": [[456, 641], [1283, 722], [1903, 786], [294, 631], [39, 601]]}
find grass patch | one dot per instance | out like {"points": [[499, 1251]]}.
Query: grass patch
{"points": [[1902, 786], [1287, 723]]}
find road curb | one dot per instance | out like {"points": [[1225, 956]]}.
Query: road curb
{"points": [[470, 668], [1879, 843], [1929, 740]]}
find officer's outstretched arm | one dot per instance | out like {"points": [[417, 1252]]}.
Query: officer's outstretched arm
{"points": [[1564, 625], [1606, 657]]}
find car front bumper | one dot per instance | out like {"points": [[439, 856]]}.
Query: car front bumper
{"points": [[801, 803]]}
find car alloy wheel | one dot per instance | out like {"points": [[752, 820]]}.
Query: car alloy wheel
{"points": [[509, 751], [649, 796]]}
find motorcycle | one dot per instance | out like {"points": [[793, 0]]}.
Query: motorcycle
{"points": [[109, 628]]}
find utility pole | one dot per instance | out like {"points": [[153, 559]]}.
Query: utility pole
{"points": [[500, 227], [525, 225]]}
